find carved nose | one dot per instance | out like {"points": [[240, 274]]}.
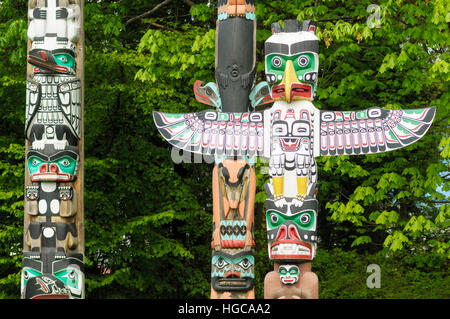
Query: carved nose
{"points": [[43, 168], [233, 274], [53, 168], [287, 232], [282, 233], [293, 234]]}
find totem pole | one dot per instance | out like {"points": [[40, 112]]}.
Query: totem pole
{"points": [[291, 134], [53, 254], [233, 177]]}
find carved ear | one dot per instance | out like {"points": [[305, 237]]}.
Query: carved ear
{"points": [[276, 28], [310, 26]]}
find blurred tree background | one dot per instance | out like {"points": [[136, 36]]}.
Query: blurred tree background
{"points": [[148, 220]]}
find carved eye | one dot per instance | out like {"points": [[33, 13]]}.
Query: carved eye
{"points": [[305, 219], [71, 275], [245, 264], [294, 271], [63, 59], [276, 62], [280, 128], [34, 162], [65, 162], [273, 218], [221, 263], [303, 61]]}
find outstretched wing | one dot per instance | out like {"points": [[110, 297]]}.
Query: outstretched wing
{"points": [[69, 98], [374, 130], [211, 132]]}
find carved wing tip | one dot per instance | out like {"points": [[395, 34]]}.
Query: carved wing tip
{"points": [[157, 118]]}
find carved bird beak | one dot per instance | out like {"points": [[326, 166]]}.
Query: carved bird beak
{"points": [[289, 77]]}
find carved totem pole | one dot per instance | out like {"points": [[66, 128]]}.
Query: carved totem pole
{"points": [[290, 134], [233, 177], [53, 258]]}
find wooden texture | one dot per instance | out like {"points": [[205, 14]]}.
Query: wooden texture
{"points": [[67, 213]]}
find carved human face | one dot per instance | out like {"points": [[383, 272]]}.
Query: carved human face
{"points": [[291, 130], [232, 271], [289, 274], [291, 230], [48, 165]]}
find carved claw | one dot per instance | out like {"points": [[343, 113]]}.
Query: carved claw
{"points": [[297, 202], [280, 202]]}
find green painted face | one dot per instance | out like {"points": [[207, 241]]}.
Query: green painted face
{"points": [[65, 164], [65, 59], [59, 169], [303, 220], [292, 77]]}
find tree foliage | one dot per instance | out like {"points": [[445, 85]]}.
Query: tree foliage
{"points": [[148, 219]]}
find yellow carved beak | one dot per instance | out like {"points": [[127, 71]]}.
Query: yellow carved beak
{"points": [[289, 77]]}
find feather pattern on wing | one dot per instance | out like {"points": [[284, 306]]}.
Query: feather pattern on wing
{"points": [[373, 130], [213, 133]]}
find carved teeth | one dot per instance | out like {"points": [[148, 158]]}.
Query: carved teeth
{"points": [[290, 249]]}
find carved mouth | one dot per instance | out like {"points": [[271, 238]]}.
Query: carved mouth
{"points": [[290, 144], [290, 249], [51, 177], [288, 280]]}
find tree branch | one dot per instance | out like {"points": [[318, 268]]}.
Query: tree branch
{"points": [[148, 12], [189, 2], [157, 25]]}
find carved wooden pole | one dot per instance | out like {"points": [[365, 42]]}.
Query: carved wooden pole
{"points": [[298, 133], [53, 254], [233, 181], [291, 134]]}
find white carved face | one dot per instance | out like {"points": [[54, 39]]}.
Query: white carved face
{"points": [[289, 274]]}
